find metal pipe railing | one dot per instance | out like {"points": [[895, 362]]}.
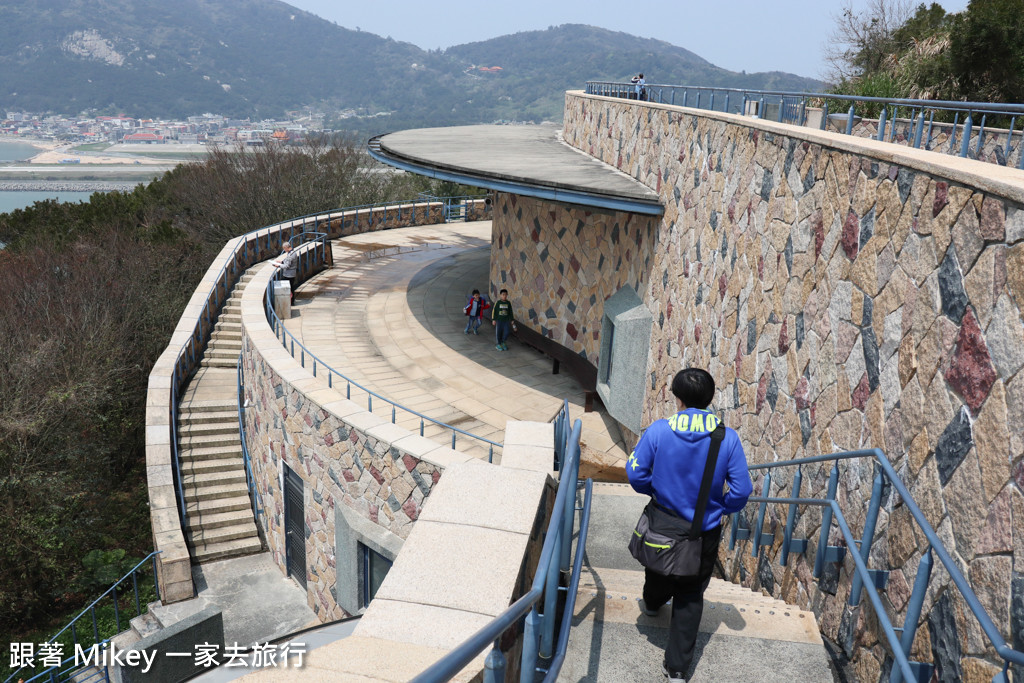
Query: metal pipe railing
{"points": [[55, 671], [864, 578], [250, 480], [792, 109], [291, 343], [526, 606]]}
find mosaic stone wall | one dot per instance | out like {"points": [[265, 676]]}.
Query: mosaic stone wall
{"points": [[844, 301], [562, 264], [339, 464]]}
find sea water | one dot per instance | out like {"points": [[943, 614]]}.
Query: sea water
{"points": [[19, 199]]}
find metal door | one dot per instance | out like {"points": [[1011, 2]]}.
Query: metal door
{"points": [[294, 527]]}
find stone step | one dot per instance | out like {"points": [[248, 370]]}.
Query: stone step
{"points": [[226, 549], [206, 466], [226, 336], [192, 418], [227, 327], [145, 624], [219, 363], [223, 350], [210, 453], [211, 406], [230, 317], [214, 520], [200, 481], [209, 535], [205, 508], [194, 495], [229, 426], [209, 440]]}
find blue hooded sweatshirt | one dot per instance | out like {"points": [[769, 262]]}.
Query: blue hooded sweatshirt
{"points": [[668, 464]]}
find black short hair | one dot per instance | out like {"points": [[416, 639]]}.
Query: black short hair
{"points": [[475, 291], [694, 387], [504, 291]]}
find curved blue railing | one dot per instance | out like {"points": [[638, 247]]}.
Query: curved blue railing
{"points": [[792, 108], [68, 667], [539, 632], [255, 246], [285, 336], [865, 578]]}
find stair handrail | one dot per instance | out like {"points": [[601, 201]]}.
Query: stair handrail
{"points": [[91, 609], [284, 335], [793, 107], [250, 480], [866, 578], [539, 631]]}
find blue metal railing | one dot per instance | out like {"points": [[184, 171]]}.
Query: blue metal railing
{"points": [[456, 208], [899, 639], [540, 627], [67, 667], [291, 344], [562, 430], [253, 247], [791, 107], [250, 480]]}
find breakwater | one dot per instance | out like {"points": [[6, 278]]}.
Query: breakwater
{"points": [[65, 185]]}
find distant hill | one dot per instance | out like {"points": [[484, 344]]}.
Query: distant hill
{"points": [[259, 58]]}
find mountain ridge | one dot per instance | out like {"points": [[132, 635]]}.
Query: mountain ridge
{"points": [[259, 58]]}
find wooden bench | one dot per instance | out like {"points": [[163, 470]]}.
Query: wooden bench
{"points": [[584, 371]]}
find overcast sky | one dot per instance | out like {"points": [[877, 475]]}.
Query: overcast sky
{"points": [[751, 35]]}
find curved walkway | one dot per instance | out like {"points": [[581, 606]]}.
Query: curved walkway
{"points": [[389, 316]]}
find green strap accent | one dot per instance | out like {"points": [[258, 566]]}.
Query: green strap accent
{"points": [[657, 545]]}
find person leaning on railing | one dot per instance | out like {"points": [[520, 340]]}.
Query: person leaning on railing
{"points": [[668, 464], [288, 262]]}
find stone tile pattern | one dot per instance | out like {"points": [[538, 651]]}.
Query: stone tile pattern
{"points": [[339, 465], [560, 263], [842, 302]]}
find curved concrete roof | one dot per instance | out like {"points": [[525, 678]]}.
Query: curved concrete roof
{"points": [[527, 160]]}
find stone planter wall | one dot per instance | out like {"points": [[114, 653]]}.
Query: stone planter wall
{"points": [[560, 263], [846, 294]]}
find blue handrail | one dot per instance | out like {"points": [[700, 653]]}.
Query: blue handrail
{"points": [[53, 671], [538, 635], [792, 108], [282, 333], [250, 480], [865, 578]]}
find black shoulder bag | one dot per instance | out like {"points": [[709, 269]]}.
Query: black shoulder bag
{"points": [[659, 541]]}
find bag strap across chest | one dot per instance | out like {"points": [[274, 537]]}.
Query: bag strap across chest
{"points": [[697, 525]]}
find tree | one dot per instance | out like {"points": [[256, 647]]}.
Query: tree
{"points": [[987, 51], [863, 41]]}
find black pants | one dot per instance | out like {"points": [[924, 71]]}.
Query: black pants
{"points": [[687, 595]]}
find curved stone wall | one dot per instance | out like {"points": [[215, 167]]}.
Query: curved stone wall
{"points": [[845, 293]]}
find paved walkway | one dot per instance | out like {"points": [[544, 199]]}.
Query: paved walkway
{"points": [[389, 316]]}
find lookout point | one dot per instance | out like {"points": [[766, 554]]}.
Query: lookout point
{"points": [[427, 505]]}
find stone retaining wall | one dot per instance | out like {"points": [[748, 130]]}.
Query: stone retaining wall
{"points": [[344, 454], [845, 293], [560, 263]]}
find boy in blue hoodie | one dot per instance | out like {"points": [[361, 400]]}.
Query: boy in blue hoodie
{"points": [[668, 464]]}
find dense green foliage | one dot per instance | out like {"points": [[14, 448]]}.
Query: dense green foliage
{"points": [[89, 295], [974, 55], [260, 58]]}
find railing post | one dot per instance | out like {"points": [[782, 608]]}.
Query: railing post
{"points": [[528, 667], [849, 120], [787, 537], [494, 665], [1009, 139], [981, 137], [726, 103], [952, 136], [824, 117], [881, 123], [758, 535], [924, 571], [966, 142], [918, 130], [826, 522], [547, 638], [869, 536]]}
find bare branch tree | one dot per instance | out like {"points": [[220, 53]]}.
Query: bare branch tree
{"points": [[862, 40]]}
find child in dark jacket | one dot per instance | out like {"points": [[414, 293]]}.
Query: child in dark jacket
{"points": [[503, 319], [475, 307]]}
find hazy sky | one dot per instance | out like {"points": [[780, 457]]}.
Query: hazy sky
{"points": [[751, 35]]}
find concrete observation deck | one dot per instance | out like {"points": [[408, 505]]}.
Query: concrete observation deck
{"points": [[389, 316], [525, 160]]}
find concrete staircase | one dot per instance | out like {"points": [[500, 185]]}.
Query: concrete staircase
{"points": [[220, 518], [744, 636]]}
